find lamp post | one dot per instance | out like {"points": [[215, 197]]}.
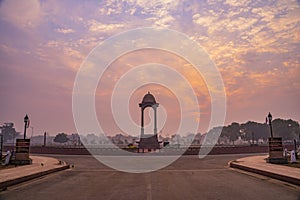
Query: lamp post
{"points": [[45, 135], [26, 122], [270, 123], [275, 146]]}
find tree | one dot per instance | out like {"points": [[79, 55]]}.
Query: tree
{"points": [[232, 131], [287, 129], [9, 133], [92, 138], [213, 135], [61, 138], [260, 131]]}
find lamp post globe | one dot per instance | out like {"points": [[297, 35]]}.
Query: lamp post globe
{"points": [[270, 117], [26, 120]]}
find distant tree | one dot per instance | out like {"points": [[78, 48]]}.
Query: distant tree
{"points": [[260, 131], [9, 132], [232, 131], [74, 138], [61, 138], [213, 135], [287, 129], [92, 138], [84, 140]]}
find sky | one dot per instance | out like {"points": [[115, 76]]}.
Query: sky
{"points": [[255, 45]]}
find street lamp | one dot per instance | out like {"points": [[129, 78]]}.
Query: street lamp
{"points": [[26, 122], [270, 123]]}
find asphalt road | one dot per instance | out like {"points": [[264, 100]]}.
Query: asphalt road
{"points": [[187, 178]]}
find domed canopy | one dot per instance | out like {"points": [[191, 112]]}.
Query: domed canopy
{"points": [[149, 98]]}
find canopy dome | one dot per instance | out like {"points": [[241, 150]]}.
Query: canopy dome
{"points": [[149, 98]]}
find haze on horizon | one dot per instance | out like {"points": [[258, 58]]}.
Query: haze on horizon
{"points": [[255, 46]]}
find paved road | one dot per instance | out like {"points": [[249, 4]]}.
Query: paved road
{"points": [[187, 178]]}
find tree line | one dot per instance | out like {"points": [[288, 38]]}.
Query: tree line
{"points": [[287, 129]]}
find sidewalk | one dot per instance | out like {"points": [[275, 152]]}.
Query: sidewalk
{"points": [[257, 164], [40, 166]]}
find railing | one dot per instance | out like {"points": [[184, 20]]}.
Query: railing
{"points": [[75, 150]]}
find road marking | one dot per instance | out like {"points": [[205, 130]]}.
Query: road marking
{"points": [[149, 187]]}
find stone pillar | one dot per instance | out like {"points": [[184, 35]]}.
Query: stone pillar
{"points": [[155, 118], [142, 122]]}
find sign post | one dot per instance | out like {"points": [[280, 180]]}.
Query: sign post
{"points": [[276, 151], [22, 152], [22, 147]]}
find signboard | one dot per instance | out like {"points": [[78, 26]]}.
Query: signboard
{"points": [[275, 147], [22, 149]]}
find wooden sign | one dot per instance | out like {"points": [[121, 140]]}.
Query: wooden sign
{"points": [[275, 147], [22, 149]]}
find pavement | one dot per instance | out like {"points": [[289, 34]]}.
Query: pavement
{"points": [[187, 178], [40, 166], [45, 165], [258, 165]]}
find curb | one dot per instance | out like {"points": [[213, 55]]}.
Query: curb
{"points": [[5, 184], [281, 177]]}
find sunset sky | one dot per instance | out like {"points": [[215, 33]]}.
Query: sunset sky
{"points": [[254, 44]]}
